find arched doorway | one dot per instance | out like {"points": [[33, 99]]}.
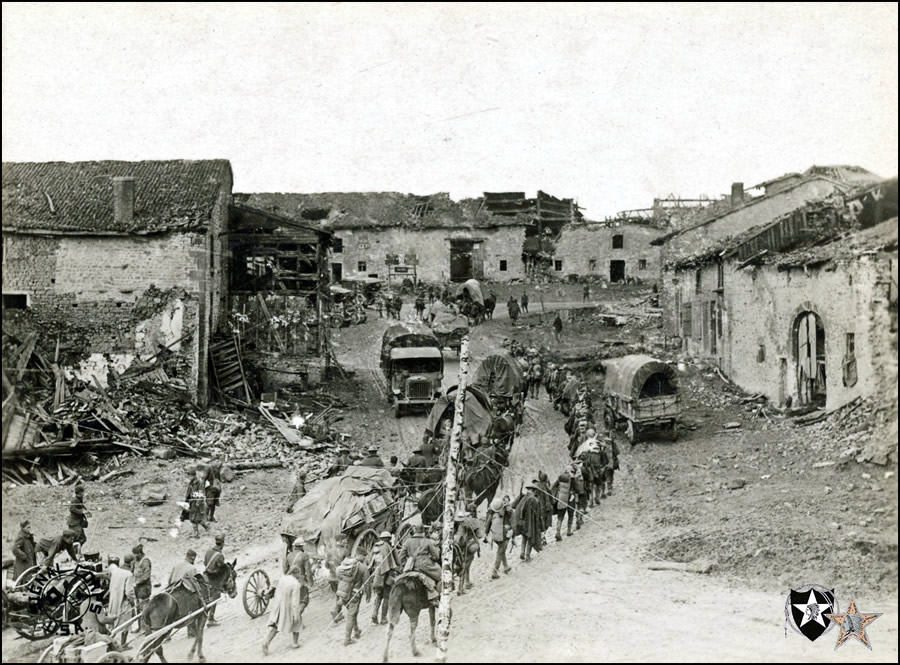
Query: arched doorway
{"points": [[809, 355]]}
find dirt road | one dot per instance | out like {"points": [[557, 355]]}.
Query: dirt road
{"points": [[588, 598]]}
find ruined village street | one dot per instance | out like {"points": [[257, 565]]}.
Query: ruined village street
{"points": [[590, 597]]}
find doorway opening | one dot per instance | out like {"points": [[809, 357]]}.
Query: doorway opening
{"points": [[616, 271], [809, 353]]}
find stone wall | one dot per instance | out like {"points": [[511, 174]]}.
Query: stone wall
{"points": [[587, 250], [115, 295], [759, 307], [432, 248]]}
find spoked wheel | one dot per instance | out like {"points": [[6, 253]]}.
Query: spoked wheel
{"points": [[29, 626], [26, 577], [256, 594], [364, 544]]}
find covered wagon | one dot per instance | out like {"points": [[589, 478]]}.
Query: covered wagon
{"points": [[477, 417], [337, 516], [502, 378], [641, 394]]}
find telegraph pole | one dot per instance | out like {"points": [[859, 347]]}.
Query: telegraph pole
{"points": [[443, 626]]}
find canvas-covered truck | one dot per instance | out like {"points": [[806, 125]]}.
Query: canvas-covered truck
{"points": [[413, 366], [641, 394]]}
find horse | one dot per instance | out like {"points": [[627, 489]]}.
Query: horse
{"points": [[490, 303], [481, 482], [184, 598], [431, 504], [408, 595]]}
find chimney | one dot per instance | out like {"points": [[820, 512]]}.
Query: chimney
{"points": [[123, 199], [737, 193]]}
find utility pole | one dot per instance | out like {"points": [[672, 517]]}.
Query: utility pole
{"points": [[443, 625]]}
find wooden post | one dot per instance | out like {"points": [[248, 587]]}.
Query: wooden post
{"points": [[443, 626]]}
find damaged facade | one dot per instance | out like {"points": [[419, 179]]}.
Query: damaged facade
{"points": [[277, 290], [801, 309], [432, 237], [611, 251], [117, 261]]}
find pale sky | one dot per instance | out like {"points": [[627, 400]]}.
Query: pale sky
{"points": [[612, 105]]}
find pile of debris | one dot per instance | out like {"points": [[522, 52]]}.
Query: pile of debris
{"points": [[853, 432], [48, 418]]}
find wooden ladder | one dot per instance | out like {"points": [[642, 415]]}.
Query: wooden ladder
{"points": [[228, 367]]}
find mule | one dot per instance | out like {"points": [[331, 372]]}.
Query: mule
{"points": [[410, 596], [184, 598]]}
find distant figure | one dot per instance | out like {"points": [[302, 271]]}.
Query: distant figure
{"points": [[78, 514], [557, 327], [513, 308], [24, 549], [420, 307], [298, 491], [586, 293], [196, 500], [142, 577], [524, 301]]}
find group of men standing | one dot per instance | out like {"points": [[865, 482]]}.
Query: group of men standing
{"points": [[29, 553]]}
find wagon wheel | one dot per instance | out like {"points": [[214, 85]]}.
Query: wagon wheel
{"points": [[359, 316], [335, 320], [256, 594], [114, 657], [29, 626], [364, 544], [27, 575], [631, 432]]}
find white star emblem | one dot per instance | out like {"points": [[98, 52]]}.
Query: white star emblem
{"points": [[812, 611]]}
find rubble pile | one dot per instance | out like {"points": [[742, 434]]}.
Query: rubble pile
{"points": [[49, 419], [856, 431]]}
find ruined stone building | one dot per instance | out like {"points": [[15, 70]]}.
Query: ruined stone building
{"points": [[118, 261], [391, 235], [802, 308], [612, 251]]}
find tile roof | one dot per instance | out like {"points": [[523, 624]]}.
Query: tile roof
{"points": [[361, 210], [77, 197]]}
